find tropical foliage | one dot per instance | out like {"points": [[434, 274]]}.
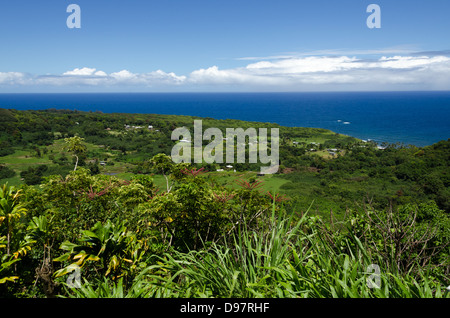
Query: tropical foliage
{"points": [[367, 223]]}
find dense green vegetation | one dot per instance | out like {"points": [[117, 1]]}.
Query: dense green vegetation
{"points": [[97, 195]]}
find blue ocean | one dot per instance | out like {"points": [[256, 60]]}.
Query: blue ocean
{"points": [[417, 118]]}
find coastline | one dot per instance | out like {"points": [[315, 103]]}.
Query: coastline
{"points": [[383, 117]]}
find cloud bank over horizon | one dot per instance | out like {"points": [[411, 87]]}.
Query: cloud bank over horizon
{"points": [[287, 73]]}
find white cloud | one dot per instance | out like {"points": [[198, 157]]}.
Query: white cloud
{"points": [[13, 78], [123, 75], [153, 78], [395, 50], [216, 76], [85, 71], [290, 74], [92, 77], [304, 65]]}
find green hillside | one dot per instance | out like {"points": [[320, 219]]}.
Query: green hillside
{"points": [[98, 195]]}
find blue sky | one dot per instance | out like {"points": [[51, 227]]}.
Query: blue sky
{"points": [[216, 45]]}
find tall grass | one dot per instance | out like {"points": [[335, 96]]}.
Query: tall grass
{"points": [[243, 267], [287, 260]]}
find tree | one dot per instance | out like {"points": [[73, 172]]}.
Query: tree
{"points": [[94, 168], [164, 164], [33, 175], [75, 145], [6, 172]]}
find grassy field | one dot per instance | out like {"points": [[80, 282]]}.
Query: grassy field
{"points": [[270, 183], [21, 160]]}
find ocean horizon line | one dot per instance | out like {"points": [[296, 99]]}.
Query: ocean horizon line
{"points": [[234, 92], [410, 117]]}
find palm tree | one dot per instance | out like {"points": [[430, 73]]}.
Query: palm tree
{"points": [[10, 210]]}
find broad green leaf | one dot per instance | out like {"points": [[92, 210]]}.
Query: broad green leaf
{"points": [[66, 270], [8, 279]]}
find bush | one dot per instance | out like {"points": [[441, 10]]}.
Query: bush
{"points": [[6, 172], [33, 175]]}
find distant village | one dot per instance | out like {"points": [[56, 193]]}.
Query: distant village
{"points": [[128, 127]]}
